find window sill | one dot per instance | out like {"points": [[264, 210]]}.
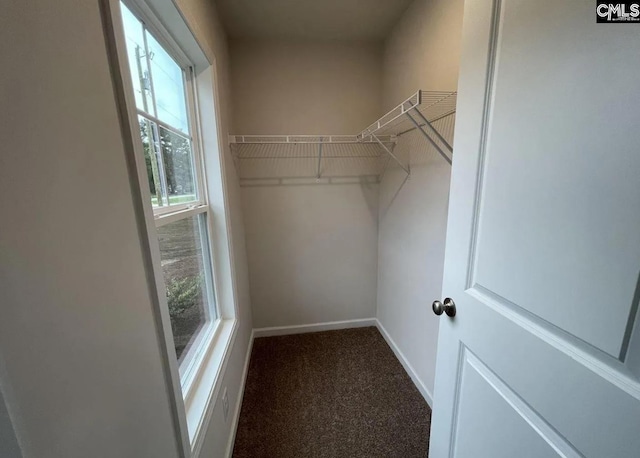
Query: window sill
{"points": [[204, 390]]}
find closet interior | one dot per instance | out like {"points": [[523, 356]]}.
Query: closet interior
{"points": [[342, 138]]}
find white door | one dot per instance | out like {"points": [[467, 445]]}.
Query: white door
{"points": [[543, 245]]}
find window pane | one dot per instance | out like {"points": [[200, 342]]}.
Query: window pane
{"points": [[186, 266], [134, 35], [168, 86], [155, 167], [178, 162]]}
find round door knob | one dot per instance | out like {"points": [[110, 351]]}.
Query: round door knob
{"points": [[448, 307]]}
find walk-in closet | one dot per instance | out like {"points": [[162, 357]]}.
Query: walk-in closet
{"points": [[342, 139], [319, 229]]}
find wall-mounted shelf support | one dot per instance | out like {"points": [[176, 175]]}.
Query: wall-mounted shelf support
{"points": [[390, 153], [433, 129], [419, 112], [319, 158], [428, 137]]}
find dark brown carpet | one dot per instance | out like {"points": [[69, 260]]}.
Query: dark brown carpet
{"points": [[330, 394]]}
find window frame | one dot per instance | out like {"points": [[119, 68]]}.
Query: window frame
{"points": [[164, 39], [190, 367], [192, 409]]}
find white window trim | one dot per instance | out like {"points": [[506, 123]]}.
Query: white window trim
{"points": [[193, 359], [192, 413], [165, 40]]}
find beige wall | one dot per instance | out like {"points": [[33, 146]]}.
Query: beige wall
{"points": [[312, 253], [311, 249], [422, 52], [80, 365], [305, 88]]}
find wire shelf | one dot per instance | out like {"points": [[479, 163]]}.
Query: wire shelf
{"points": [[304, 139], [307, 159], [334, 156], [430, 105]]}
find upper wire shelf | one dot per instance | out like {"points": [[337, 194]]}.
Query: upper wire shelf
{"points": [[305, 139], [421, 107], [326, 156]]}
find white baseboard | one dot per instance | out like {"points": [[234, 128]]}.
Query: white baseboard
{"points": [[316, 327], [426, 394], [238, 406]]}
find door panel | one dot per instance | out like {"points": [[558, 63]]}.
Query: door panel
{"points": [[481, 391], [574, 392], [543, 238], [558, 162]]}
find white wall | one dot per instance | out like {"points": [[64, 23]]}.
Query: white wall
{"points": [[305, 87], [422, 52], [413, 222], [312, 253], [82, 372], [312, 249]]}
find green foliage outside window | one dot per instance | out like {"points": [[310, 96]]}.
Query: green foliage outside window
{"points": [[183, 294]]}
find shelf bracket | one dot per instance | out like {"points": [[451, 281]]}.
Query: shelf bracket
{"points": [[319, 158], [390, 153], [384, 169], [434, 131]]}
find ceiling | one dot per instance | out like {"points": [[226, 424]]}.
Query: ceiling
{"points": [[321, 20]]}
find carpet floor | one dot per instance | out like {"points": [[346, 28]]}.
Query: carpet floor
{"points": [[330, 394]]}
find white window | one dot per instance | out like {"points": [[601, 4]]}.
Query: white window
{"points": [[164, 90], [165, 86]]}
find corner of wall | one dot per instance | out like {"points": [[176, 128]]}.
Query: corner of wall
{"points": [[421, 53]]}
